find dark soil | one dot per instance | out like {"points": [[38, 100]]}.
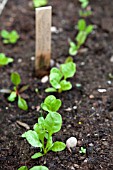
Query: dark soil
{"points": [[95, 113]]}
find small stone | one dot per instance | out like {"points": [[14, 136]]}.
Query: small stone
{"points": [[102, 90], [72, 168], [76, 166], [82, 63], [68, 109], [71, 143], [32, 58], [19, 60], [44, 79], [91, 96], [52, 63], [91, 144], [109, 82], [6, 108], [111, 59], [74, 107]]}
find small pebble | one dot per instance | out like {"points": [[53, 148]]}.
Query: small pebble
{"points": [[111, 59], [109, 82], [19, 60], [44, 79], [68, 109], [32, 58], [71, 143], [91, 96], [102, 90], [74, 107]]}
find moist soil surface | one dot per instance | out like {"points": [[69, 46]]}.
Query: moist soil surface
{"points": [[87, 113]]}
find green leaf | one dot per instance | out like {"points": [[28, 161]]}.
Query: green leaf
{"points": [[12, 96], [23, 168], [81, 37], [49, 143], [22, 104], [15, 78], [39, 3], [32, 138], [89, 29], [81, 25], [4, 34], [13, 37], [39, 168], [36, 155], [68, 69], [69, 59], [50, 89], [51, 104], [58, 146], [53, 122], [5, 60], [65, 85], [73, 49]]}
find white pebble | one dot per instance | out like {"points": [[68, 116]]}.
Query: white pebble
{"points": [[111, 59], [44, 79], [71, 143], [102, 90], [32, 58]]}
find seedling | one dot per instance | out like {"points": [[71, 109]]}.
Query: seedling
{"points": [[16, 80], [5, 60], [58, 77], [81, 37], [34, 168], [41, 136], [82, 150], [39, 3], [85, 13], [84, 3], [9, 37]]}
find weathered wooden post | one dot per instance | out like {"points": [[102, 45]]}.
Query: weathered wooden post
{"points": [[43, 40]]}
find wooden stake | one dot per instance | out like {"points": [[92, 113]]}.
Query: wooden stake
{"points": [[43, 40]]}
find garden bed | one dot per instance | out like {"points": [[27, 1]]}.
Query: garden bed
{"points": [[87, 113]]}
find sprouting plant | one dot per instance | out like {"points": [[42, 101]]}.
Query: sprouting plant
{"points": [[39, 3], [34, 168], [9, 37], [5, 60], [58, 77], [51, 104], [85, 13], [84, 3], [81, 37], [16, 80], [41, 136], [82, 150]]}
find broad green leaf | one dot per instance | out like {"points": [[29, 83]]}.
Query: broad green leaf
{"points": [[89, 29], [5, 60], [23, 168], [58, 146], [81, 37], [51, 104], [53, 122], [13, 37], [57, 71], [50, 89], [39, 168], [69, 59], [39, 3], [32, 138], [12, 96], [81, 25], [68, 69], [37, 155], [65, 85], [4, 34], [15, 78], [72, 49], [22, 104]]}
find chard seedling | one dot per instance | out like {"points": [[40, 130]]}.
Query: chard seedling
{"points": [[82, 150], [39, 3], [84, 3], [9, 37], [81, 37], [34, 168], [16, 80], [5, 60], [58, 77], [41, 136]]}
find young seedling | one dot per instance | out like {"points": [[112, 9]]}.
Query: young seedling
{"points": [[9, 37], [84, 3], [58, 77], [16, 80], [82, 150], [5, 60], [81, 37], [41, 136], [39, 3], [34, 168], [85, 13]]}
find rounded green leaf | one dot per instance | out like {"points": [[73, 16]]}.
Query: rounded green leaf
{"points": [[65, 85], [4, 34], [32, 138], [50, 89], [23, 168], [12, 96], [68, 69], [5, 60], [81, 25], [58, 146], [39, 168], [51, 104], [81, 37], [22, 104], [37, 155], [15, 78], [89, 29], [39, 3], [53, 122]]}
